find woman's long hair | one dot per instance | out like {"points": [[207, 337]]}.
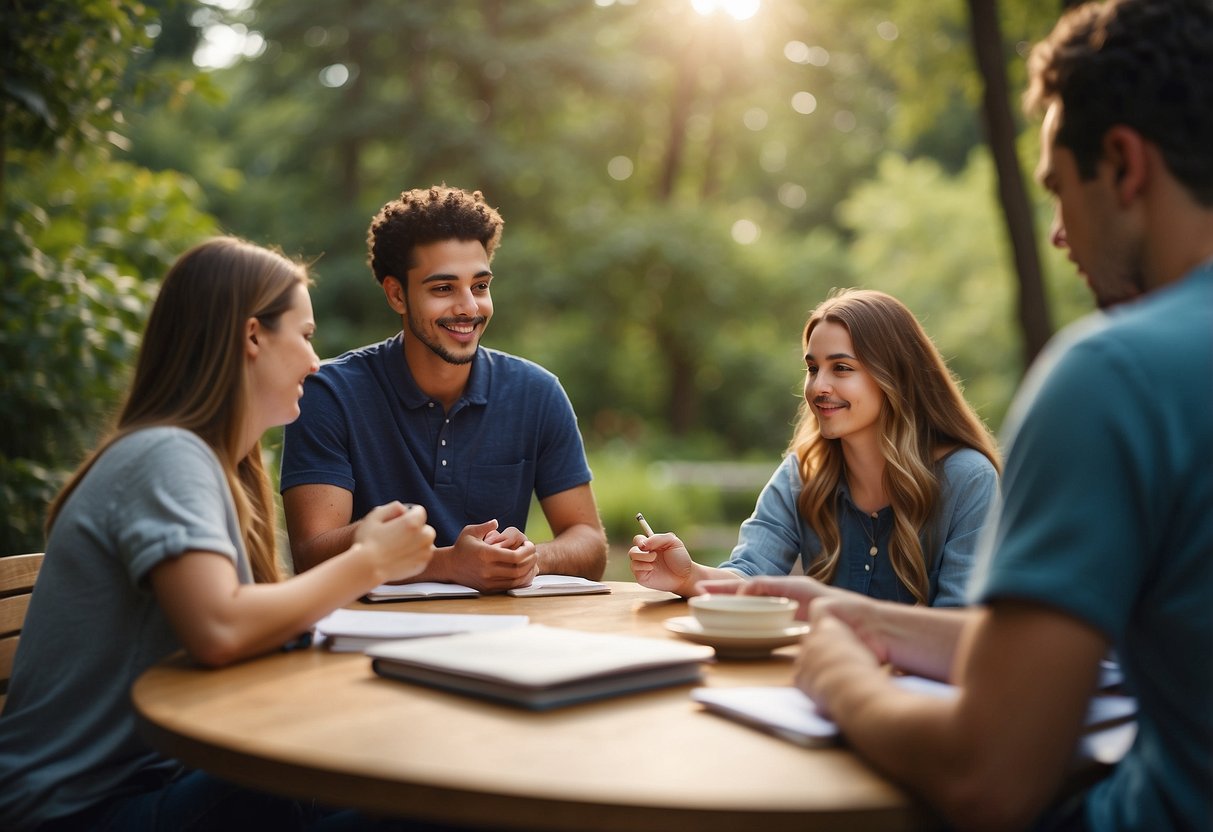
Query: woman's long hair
{"points": [[923, 411], [191, 373]]}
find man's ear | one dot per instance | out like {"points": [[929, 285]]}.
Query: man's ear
{"points": [[1125, 150], [393, 290], [251, 329]]}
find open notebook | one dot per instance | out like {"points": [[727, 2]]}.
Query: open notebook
{"points": [[788, 713], [542, 585]]}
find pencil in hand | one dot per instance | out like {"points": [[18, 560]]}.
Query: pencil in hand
{"points": [[644, 524]]}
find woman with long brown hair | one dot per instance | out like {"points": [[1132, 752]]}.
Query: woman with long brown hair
{"points": [[165, 539], [888, 476]]}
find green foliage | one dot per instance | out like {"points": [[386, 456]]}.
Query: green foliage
{"points": [[658, 315], [625, 143], [705, 513], [86, 241], [82, 238], [921, 57], [935, 242], [629, 285], [63, 65]]}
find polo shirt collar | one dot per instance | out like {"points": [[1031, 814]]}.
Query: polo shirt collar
{"points": [[476, 392]]}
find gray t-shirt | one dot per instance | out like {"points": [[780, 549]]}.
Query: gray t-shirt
{"points": [[67, 734]]}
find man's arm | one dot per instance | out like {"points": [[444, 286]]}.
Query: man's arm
{"points": [[579, 544], [994, 757], [318, 523]]}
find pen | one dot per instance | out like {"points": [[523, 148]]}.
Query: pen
{"points": [[644, 524]]}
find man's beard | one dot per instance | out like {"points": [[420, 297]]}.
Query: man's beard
{"points": [[436, 348]]}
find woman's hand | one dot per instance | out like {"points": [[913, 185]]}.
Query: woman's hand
{"points": [[397, 540], [662, 562]]}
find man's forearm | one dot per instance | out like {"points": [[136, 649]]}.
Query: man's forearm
{"points": [[322, 547], [579, 550]]}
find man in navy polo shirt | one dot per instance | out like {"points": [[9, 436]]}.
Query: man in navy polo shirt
{"points": [[431, 417]]}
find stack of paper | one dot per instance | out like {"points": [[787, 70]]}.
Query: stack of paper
{"points": [[541, 667], [355, 630]]}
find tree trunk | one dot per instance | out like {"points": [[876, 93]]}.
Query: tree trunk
{"points": [[680, 113], [349, 146], [681, 395], [1017, 211], [682, 402]]}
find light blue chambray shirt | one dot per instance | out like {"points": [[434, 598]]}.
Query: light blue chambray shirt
{"points": [[776, 540]]}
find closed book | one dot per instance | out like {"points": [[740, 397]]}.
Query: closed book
{"points": [[541, 667]]}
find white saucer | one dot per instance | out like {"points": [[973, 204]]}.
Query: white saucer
{"points": [[733, 644]]}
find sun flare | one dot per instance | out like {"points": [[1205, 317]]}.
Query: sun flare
{"points": [[736, 9]]}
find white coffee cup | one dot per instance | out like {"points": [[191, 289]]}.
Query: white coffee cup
{"points": [[743, 613]]}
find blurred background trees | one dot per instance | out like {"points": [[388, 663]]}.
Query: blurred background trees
{"points": [[681, 180]]}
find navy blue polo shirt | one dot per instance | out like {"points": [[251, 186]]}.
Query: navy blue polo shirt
{"points": [[367, 427]]}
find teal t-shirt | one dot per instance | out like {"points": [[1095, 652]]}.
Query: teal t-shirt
{"points": [[1108, 515]]}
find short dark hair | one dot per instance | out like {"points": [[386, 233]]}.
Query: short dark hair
{"points": [[428, 215], [1145, 64]]}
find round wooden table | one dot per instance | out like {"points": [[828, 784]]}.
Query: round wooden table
{"points": [[322, 725]]}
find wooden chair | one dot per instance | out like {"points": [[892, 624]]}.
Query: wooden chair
{"points": [[17, 575]]}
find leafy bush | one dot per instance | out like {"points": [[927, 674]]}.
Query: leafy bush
{"points": [[85, 242]]}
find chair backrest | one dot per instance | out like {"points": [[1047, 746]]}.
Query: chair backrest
{"points": [[17, 575]]}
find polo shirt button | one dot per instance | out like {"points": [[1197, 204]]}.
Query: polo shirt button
{"points": [[431, 404], [866, 567], [444, 463], [444, 442]]}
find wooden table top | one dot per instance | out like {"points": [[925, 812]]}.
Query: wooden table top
{"points": [[322, 725]]}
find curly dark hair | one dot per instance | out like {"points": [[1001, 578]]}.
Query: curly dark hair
{"points": [[428, 215], [1146, 64]]}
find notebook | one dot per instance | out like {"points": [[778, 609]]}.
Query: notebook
{"points": [[542, 585], [560, 585], [355, 630], [418, 591], [540, 667], [787, 712]]}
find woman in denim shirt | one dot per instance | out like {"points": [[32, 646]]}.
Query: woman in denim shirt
{"points": [[888, 477]]}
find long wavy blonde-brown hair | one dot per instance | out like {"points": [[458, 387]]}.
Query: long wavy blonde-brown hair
{"points": [[191, 373], [923, 412]]}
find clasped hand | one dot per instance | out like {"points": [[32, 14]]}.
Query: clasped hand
{"points": [[492, 560]]}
